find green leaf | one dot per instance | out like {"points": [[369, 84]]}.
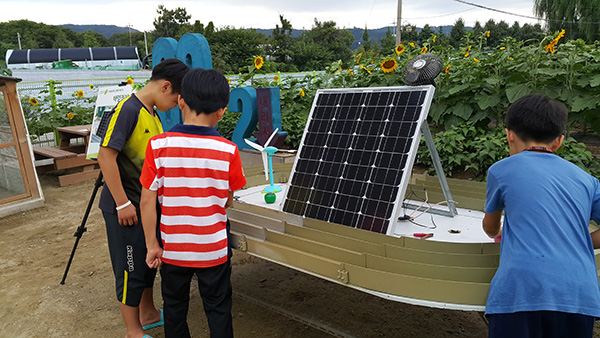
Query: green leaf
{"points": [[462, 110], [595, 80], [459, 88], [515, 92], [486, 101]]}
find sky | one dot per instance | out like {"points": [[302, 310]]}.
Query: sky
{"points": [[140, 14]]}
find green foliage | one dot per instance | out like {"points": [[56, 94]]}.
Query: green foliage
{"points": [[576, 152], [233, 49], [4, 71], [580, 18], [466, 147], [321, 45], [227, 124], [169, 23], [45, 113]]}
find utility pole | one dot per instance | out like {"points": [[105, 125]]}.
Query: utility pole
{"points": [[129, 26], [146, 42], [19, 39], [399, 24]]}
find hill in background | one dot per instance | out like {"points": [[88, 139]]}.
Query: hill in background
{"points": [[106, 30], [374, 34]]}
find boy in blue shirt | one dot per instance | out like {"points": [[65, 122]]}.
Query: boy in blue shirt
{"points": [[547, 282]]}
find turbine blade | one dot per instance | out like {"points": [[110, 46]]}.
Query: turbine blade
{"points": [[271, 137], [266, 164], [254, 145]]}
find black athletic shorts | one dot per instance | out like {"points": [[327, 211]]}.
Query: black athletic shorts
{"points": [[127, 247]]}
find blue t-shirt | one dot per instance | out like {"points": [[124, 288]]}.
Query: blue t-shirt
{"points": [[547, 258]]}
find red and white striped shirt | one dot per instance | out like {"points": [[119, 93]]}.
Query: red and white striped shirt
{"points": [[192, 169]]}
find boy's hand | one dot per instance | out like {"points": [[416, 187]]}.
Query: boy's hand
{"points": [[128, 215], [153, 257]]}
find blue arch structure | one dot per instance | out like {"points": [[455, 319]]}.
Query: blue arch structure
{"points": [[193, 50]]}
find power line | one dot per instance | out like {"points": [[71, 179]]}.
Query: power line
{"points": [[524, 16], [442, 15]]}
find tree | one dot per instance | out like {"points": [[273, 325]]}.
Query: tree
{"points": [[169, 22], [426, 33], [93, 39], [457, 32], [532, 34], [366, 42], [282, 41], [322, 44], [388, 42], [234, 49], [579, 18], [477, 29], [409, 34]]}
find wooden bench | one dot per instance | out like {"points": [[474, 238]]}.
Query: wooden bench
{"points": [[60, 159]]}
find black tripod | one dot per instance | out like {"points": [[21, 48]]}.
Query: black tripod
{"points": [[81, 229]]}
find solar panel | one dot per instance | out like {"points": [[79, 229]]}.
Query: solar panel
{"points": [[356, 155]]}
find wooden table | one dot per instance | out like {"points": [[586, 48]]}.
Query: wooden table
{"points": [[70, 156]]}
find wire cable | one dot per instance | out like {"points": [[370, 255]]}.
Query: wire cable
{"points": [[521, 15]]}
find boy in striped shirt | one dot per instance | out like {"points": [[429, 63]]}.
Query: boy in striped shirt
{"points": [[193, 171]]}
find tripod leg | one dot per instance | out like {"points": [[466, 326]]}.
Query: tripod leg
{"points": [[81, 229]]}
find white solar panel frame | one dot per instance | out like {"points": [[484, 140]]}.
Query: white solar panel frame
{"points": [[411, 154]]}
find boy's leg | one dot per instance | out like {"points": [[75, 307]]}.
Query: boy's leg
{"points": [[515, 325], [215, 288], [546, 324], [572, 325], [176, 295], [128, 253]]}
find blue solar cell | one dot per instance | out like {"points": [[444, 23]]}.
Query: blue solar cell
{"points": [[357, 148]]}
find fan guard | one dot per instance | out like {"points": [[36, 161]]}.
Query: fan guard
{"points": [[422, 70]]}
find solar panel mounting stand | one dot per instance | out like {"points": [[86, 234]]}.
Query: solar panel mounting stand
{"points": [[437, 164]]}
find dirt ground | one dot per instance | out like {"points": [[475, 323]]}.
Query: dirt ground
{"points": [[269, 300]]}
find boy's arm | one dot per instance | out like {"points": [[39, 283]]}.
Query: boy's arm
{"points": [[148, 211], [596, 239], [229, 200], [107, 159], [491, 224]]}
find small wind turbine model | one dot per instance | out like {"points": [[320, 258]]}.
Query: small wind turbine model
{"points": [[267, 157]]}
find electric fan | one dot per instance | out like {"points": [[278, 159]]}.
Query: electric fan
{"points": [[422, 70]]}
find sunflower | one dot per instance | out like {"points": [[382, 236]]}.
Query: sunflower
{"points": [[91, 86], [389, 65], [447, 69], [365, 68], [79, 93], [258, 62], [399, 49], [412, 44], [474, 59], [358, 59], [424, 50], [33, 101], [550, 47], [502, 48], [487, 34], [228, 80], [130, 81], [467, 54], [70, 116], [434, 37], [302, 93], [276, 78]]}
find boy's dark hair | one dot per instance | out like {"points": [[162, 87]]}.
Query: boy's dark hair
{"points": [[205, 90], [537, 117], [172, 70]]}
